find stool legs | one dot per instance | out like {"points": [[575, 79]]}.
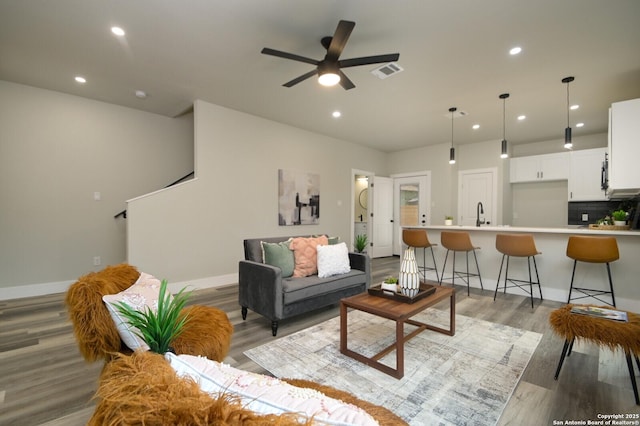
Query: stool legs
{"points": [[566, 351], [591, 292], [424, 268], [633, 376], [454, 272], [515, 281], [565, 348]]}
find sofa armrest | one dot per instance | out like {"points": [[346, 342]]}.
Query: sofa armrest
{"points": [[260, 288], [361, 262]]}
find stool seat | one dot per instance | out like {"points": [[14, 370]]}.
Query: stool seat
{"points": [[459, 241], [592, 250], [601, 331], [520, 245], [418, 238], [456, 241], [517, 245]]}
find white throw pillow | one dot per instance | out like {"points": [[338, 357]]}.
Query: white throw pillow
{"points": [[333, 260], [144, 292], [265, 394]]}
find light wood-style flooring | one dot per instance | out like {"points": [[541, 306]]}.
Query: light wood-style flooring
{"points": [[45, 381]]}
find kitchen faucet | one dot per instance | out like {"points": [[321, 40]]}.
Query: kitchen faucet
{"points": [[479, 210]]}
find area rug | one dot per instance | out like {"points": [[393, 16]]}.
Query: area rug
{"points": [[466, 379]]}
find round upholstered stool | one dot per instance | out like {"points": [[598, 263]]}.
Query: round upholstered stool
{"points": [[517, 245], [601, 331], [592, 250], [418, 238], [458, 241]]}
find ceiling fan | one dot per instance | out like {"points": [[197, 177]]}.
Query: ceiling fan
{"points": [[329, 69]]}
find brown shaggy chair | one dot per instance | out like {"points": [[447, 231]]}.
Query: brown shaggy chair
{"points": [[141, 388], [144, 389], [208, 332]]}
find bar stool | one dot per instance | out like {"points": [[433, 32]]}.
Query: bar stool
{"points": [[459, 241], [517, 245], [418, 238], [592, 250]]}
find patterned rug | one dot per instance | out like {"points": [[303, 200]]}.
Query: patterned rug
{"points": [[465, 379]]}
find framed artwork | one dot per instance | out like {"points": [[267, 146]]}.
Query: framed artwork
{"points": [[298, 198]]}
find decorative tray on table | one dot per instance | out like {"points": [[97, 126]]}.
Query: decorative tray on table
{"points": [[424, 291]]}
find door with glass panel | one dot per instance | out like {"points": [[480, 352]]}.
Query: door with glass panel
{"points": [[412, 198]]}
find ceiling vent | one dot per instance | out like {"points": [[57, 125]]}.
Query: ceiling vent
{"points": [[387, 70], [456, 114]]}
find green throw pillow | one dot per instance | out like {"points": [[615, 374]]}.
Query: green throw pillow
{"points": [[280, 255]]}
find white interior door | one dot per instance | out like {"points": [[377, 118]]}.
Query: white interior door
{"points": [[381, 216], [412, 198], [477, 186]]}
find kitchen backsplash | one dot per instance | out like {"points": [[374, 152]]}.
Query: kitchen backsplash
{"points": [[594, 210]]}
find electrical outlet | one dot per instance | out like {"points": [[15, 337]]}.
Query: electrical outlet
{"points": [[585, 217], [97, 261]]}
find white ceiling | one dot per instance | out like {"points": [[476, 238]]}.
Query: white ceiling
{"points": [[454, 53]]}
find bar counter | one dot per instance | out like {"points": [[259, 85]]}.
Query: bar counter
{"points": [[554, 266]]}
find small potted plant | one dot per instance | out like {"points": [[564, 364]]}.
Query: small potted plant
{"points": [[159, 327], [448, 220], [390, 284], [360, 243], [619, 217]]}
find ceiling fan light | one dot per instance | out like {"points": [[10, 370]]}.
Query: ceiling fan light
{"points": [[329, 79]]}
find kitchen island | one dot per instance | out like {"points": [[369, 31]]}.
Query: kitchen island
{"points": [[554, 266]]}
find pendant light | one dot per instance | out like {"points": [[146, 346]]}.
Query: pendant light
{"points": [[452, 150], [503, 150], [567, 130]]}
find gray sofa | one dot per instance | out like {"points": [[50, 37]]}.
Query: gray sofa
{"points": [[263, 289]]}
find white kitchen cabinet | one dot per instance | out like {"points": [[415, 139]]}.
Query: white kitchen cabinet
{"points": [[539, 168], [585, 175], [624, 147]]}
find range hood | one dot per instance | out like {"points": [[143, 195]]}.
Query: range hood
{"points": [[620, 194]]}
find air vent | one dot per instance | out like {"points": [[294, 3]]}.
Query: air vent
{"points": [[387, 70]]}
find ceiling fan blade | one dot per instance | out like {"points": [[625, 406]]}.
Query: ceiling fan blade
{"points": [[366, 60], [303, 77], [345, 82], [285, 55], [339, 40]]}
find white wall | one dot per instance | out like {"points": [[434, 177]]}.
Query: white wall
{"points": [[196, 230], [56, 150], [444, 176]]}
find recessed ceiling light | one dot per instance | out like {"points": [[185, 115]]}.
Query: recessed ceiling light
{"points": [[117, 31], [522, 117], [141, 94], [80, 79], [336, 114], [579, 124], [574, 106], [475, 126], [515, 50]]}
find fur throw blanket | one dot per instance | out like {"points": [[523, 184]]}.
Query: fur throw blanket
{"points": [[602, 331], [144, 389]]}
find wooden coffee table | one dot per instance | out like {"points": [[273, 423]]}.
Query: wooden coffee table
{"points": [[399, 312]]}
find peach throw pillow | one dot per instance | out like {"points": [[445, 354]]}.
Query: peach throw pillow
{"points": [[305, 255]]}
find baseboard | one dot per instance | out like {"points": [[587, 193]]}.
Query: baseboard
{"points": [[32, 290]]}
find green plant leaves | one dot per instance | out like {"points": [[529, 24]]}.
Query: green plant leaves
{"points": [[161, 327]]}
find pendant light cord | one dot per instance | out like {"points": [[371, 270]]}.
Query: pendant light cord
{"points": [[504, 115], [568, 105]]}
